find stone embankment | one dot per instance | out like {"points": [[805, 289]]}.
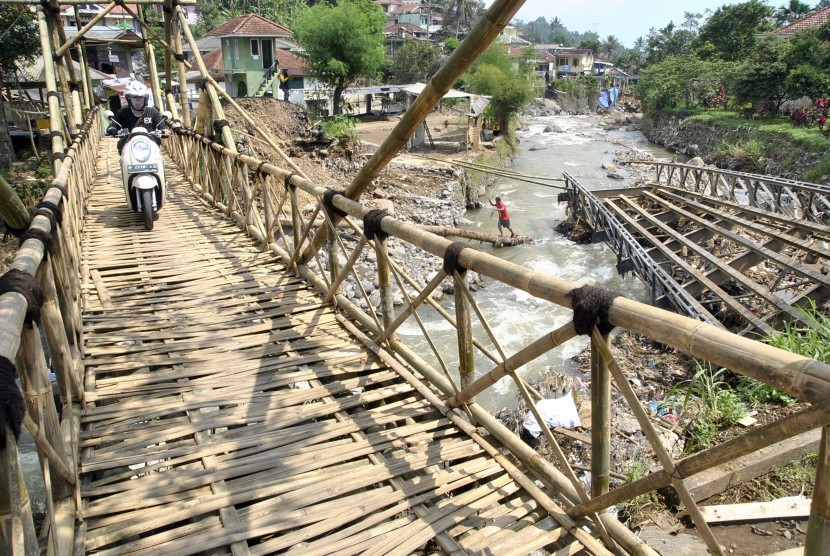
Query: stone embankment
{"points": [[743, 148]]}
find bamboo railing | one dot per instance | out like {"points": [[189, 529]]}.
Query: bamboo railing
{"points": [[56, 225], [262, 198]]}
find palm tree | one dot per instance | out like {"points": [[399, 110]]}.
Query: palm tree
{"points": [[789, 13], [610, 45], [462, 14]]}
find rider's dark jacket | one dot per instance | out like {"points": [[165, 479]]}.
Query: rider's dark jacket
{"points": [[150, 119]]}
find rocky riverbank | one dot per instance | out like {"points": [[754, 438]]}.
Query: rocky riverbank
{"points": [[744, 148]]}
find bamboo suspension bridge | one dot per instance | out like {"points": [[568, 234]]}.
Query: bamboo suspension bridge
{"points": [[219, 395]]}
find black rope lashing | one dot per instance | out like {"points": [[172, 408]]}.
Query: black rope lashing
{"points": [[167, 10], [219, 124], [451, 256], [56, 57], [288, 183], [12, 408], [372, 224], [590, 306], [54, 134], [36, 233], [258, 169], [119, 2], [75, 86], [51, 94], [58, 156], [168, 91], [180, 57], [203, 85], [328, 202], [57, 213], [22, 282]]}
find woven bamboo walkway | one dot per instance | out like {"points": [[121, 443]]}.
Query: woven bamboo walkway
{"points": [[232, 412]]}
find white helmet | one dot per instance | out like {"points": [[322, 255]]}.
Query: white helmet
{"points": [[136, 89]]}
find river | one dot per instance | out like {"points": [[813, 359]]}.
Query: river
{"points": [[580, 149]]}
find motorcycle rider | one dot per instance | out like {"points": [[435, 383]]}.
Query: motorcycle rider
{"points": [[137, 113]]}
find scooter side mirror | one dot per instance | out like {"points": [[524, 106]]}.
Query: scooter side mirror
{"points": [[167, 115], [108, 114]]}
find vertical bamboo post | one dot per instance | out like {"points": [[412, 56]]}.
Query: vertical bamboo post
{"points": [[38, 393], [385, 282], [72, 85], [81, 45], [818, 529], [63, 364], [296, 217], [167, 11], [184, 99], [464, 332], [600, 421], [17, 528], [150, 55], [227, 136], [55, 115]]}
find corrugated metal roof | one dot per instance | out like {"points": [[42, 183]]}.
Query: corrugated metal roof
{"points": [[33, 73]]}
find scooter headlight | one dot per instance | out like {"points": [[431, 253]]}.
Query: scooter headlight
{"points": [[141, 150]]}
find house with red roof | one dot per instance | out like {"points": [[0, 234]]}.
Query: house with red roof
{"points": [[254, 49], [810, 21]]}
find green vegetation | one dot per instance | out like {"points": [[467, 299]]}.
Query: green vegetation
{"points": [[718, 400], [416, 61], [713, 402], [213, 13], [343, 43], [638, 508], [338, 125], [509, 83]]}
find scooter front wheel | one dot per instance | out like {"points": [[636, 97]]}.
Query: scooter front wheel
{"points": [[147, 208]]}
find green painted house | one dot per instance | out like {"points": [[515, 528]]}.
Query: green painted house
{"points": [[251, 46]]}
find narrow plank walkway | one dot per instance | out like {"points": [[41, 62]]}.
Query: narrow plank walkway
{"points": [[232, 412]]}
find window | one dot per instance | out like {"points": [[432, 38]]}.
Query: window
{"points": [[576, 62], [255, 49], [236, 49]]}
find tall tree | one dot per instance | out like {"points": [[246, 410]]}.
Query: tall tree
{"points": [[509, 84], [342, 43], [790, 12], [611, 45], [21, 44], [732, 29], [416, 61], [460, 16]]}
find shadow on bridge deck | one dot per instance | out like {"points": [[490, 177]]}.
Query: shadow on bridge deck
{"points": [[233, 411]]}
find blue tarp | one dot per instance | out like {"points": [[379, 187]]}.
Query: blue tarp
{"points": [[603, 99]]}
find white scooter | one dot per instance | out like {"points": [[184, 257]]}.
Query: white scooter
{"points": [[142, 169]]}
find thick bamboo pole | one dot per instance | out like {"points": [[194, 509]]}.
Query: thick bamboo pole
{"points": [[17, 528], [600, 421], [387, 306], [40, 404], [818, 530], [12, 210], [464, 332], [154, 75], [183, 94], [68, 67], [479, 39], [227, 136], [55, 116], [71, 108]]}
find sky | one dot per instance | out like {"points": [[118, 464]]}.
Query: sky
{"points": [[625, 19]]}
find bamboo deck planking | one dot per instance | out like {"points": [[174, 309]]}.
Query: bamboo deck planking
{"points": [[232, 412]]}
